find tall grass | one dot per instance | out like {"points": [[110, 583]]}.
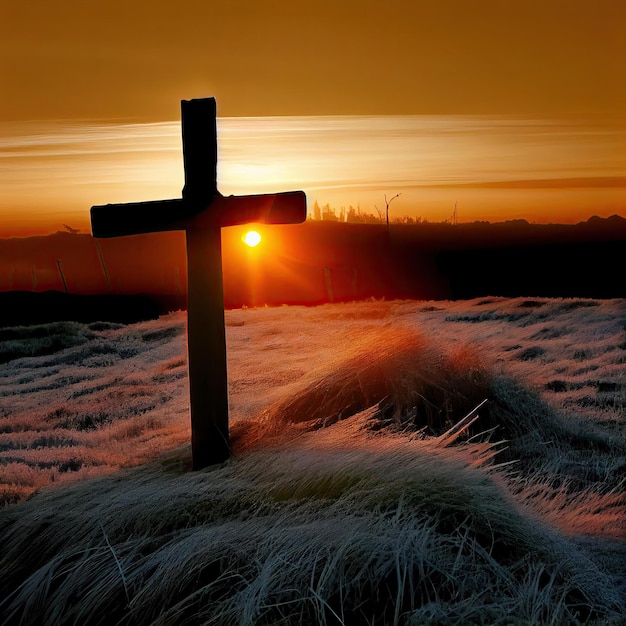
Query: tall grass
{"points": [[21, 341], [350, 533]]}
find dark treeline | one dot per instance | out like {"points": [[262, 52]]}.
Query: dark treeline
{"points": [[321, 261]]}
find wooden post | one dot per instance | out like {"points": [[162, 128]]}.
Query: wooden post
{"points": [[329, 284], [62, 275], [104, 267]]}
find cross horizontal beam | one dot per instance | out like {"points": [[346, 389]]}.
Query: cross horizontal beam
{"points": [[136, 218]]}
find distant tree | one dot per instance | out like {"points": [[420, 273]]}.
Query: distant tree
{"points": [[370, 218], [387, 204], [317, 212], [356, 216], [328, 214], [405, 219]]}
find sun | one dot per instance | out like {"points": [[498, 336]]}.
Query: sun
{"points": [[252, 238]]}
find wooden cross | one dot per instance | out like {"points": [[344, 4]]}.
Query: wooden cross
{"points": [[201, 213]]}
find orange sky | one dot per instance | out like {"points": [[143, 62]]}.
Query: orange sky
{"points": [[138, 58], [82, 65]]}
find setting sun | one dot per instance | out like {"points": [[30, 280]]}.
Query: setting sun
{"points": [[252, 238]]}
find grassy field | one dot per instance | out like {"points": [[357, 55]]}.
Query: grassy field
{"points": [[350, 497]]}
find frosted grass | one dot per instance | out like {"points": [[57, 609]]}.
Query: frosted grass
{"points": [[368, 519]]}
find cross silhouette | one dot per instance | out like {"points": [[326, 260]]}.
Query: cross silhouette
{"points": [[201, 213]]}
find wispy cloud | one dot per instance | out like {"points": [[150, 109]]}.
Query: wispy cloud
{"points": [[61, 166]]}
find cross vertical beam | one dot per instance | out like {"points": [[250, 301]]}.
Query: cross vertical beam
{"points": [[206, 335], [206, 348], [201, 213]]}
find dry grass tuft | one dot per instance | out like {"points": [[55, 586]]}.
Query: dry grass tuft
{"points": [[415, 382]]}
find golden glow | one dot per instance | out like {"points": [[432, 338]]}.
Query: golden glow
{"points": [[252, 238], [83, 105], [115, 60]]}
